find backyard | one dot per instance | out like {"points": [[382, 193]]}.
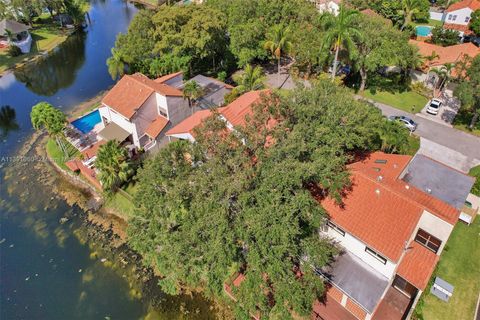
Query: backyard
{"points": [[391, 91], [45, 38], [460, 266], [56, 154]]}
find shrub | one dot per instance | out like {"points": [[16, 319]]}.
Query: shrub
{"points": [[14, 51]]}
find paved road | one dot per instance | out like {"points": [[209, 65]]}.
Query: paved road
{"points": [[457, 140]]}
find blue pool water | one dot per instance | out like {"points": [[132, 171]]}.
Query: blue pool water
{"points": [[423, 31], [87, 122]]}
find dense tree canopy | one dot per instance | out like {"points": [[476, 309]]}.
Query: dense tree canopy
{"points": [[113, 165], [380, 45], [468, 91], [241, 201]]}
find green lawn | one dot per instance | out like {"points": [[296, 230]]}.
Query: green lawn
{"points": [[54, 151], [432, 23], [475, 172], [462, 122], [459, 265], [409, 101], [121, 201], [45, 38]]}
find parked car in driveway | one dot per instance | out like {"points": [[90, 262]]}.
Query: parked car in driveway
{"points": [[433, 106], [406, 121]]}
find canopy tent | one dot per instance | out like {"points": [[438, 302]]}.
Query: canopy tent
{"points": [[113, 131]]}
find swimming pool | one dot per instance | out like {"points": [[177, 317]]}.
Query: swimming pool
{"points": [[424, 31], [87, 122]]}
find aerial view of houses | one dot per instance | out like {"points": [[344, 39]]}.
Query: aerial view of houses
{"points": [[247, 159]]}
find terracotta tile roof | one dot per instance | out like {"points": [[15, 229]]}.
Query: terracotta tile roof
{"points": [[472, 4], [236, 111], [129, 94], [156, 126], [458, 27], [417, 265], [187, 125], [331, 310], [167, 77], [92, 150], [383, 212], [450, 54]]}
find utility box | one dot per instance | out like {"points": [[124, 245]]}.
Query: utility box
{"points": [[442, 289]]}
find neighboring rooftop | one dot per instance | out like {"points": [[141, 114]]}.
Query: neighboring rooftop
{"points": [[375, 201], [214, 91], [451, 54], [472, 4], [358, 280], [234, 113], [417, 265], [440, 181]]}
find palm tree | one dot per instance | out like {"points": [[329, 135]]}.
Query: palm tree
{"points": [[278, 42], [409, 9], [444, 74], [341, 31], [45, 116], [7, 120], [116, 66], [251, 79], [192, 91], [113, 165]]}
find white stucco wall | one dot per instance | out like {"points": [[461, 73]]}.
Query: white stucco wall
{"points": [[435, 226], [438, 16], [183, 136], [113, 116], [161, 104], [357, 247], [461, 14]]}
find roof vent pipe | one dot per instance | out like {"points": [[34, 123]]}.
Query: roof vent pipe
{"points": [[377, 191]]}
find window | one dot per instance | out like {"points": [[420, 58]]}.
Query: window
{"points": [[381, 161], [336, 228], [162, 112], [450, 17], [375, 255], [467, 19], [427, 240], [454, 17]]}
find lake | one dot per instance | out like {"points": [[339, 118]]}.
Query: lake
{"points": [[50, 265]]}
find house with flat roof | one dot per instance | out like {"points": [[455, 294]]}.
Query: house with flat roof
{"points": [[234, 114], [392, 229], [141, 110]]}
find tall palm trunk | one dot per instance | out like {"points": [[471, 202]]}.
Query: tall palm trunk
{"points": [[363, 75], [335, 61], [278, 71], [474, 119], [408, 18]]}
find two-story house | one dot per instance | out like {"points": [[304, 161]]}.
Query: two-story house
{"points": [[458, 15], [392, 230], [141, 110]]}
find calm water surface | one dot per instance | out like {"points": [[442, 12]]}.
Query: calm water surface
{"points": [[48, 268]]}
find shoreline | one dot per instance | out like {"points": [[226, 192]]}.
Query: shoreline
{"points": [[33, 58]]}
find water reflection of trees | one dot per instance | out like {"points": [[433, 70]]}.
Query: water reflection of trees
{"points": [[7, 121], [57, 70]]}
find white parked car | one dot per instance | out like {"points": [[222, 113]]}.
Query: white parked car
{"points": [[433, 106]]}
